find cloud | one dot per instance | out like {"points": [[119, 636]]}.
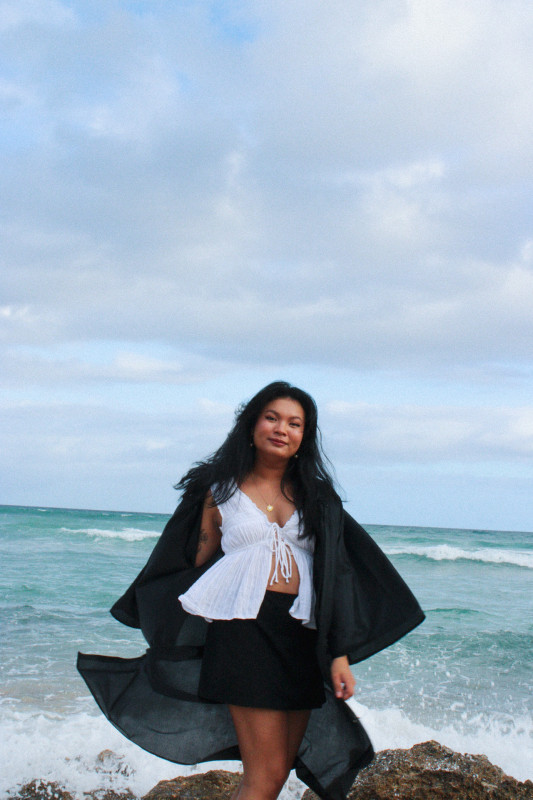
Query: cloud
{"points": [[189, 192], [397, 463], [88, 455], [22, 367], [18, 13], [432, 434], [460, 313]]}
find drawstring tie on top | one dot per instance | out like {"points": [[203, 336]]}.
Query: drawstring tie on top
{"points": [[282, 553]]}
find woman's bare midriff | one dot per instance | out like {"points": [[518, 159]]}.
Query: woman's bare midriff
{"points": [[281, 585]]}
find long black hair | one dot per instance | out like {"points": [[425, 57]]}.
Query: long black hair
{"points": [[308, 475]]}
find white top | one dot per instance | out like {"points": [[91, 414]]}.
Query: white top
{"points": [[234, 587]]}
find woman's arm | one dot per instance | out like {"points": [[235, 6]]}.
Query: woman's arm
{"points": [[210, 534], [341, 677]]}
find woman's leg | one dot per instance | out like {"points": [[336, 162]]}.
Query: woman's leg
{"points": [[297, 726], [268, 741]]}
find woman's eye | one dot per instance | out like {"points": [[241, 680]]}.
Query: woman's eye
{"points": [[270, 418]]}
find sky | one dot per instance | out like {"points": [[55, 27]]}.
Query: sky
{"points": [[197, 198]]}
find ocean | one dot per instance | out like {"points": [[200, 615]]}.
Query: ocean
{"points": [[464, 677]]}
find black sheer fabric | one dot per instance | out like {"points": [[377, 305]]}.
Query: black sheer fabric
{"points": [[169, 721], [362, 606]]}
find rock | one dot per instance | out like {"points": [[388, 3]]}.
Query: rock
{"points": [[108, 794], [429, 771], [42, 790], [107, 761], [218, 784], [105, 755]]}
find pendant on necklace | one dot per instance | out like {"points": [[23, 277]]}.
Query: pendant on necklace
{"points": [[270, 508]]}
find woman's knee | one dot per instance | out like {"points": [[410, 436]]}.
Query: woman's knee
{"points": [[279, 774], [268, 781]]}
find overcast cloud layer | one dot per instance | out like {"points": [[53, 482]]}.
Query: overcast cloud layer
{"points": [[200, 197]]}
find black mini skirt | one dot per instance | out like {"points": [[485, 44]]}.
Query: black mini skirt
{"points": [[267, 662]]}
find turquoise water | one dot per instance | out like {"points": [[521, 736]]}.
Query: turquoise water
{"points": [[464, 677]]}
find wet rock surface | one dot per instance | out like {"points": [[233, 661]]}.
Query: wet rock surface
{"points": [[50, 790], [214, 785], [218, 784], [42, 790], [427, 771]]}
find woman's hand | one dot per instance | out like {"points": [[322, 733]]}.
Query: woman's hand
{"points": [[342, 678]]}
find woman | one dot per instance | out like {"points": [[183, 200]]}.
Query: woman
{"points": [[279, 591], [272, 453]]}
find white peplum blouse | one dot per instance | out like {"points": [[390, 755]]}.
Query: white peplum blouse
{"points": [[234, 587]]}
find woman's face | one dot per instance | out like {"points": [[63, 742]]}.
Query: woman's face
{"points": [[280, 428]]}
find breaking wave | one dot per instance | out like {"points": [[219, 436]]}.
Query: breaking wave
{"points": [[446, 552]]}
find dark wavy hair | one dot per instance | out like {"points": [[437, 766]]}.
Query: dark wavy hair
{"points": [[309, 475]]}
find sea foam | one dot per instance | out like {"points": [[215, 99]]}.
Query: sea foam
{"points": [[508, 746], [74, 760], [128, 534], [80, 737], [446, 552]]}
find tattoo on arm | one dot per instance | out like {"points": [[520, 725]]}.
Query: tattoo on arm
{"points": [[204, 537]]}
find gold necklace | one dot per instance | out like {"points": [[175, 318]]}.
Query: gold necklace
{"points": [[269, 506]]}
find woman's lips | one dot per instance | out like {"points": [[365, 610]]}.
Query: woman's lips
{"points": [[278, 442]]}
